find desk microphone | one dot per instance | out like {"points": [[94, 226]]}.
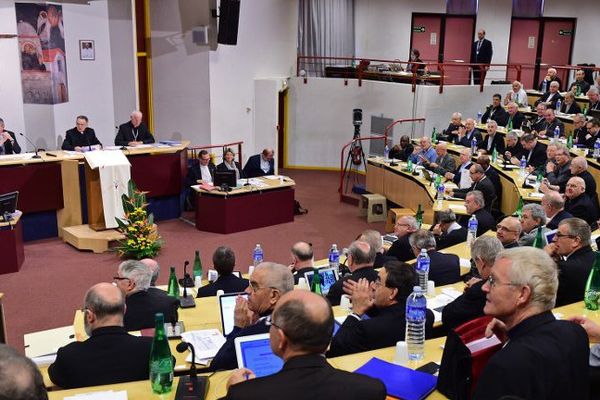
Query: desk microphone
{"points": [[34, 146], [191, 386]]}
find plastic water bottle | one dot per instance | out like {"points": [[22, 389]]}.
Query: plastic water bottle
{"points": [[558, 104], [386, 152], [473, 145], [334, 257], [479, 115], [423, 263], [440, 195], [544, 86], [597, 148], [522, 166], [472, 230], [258, 255], [416, 311], [556, 134]]}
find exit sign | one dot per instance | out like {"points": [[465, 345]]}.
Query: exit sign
{"points": [[419, 29], [563, 32]]}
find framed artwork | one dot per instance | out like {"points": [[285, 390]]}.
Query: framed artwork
{"points": [[87, 50]]}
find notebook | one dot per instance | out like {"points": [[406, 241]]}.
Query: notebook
{"points": [[254, 352]]}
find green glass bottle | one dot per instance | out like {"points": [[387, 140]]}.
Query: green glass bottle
{"points": [[434, 137], [409, 165], [173, 289], [419, 216], [438, 181], [494, 155], [585, 110], [538, 242], [315, 286], [161, 362], [197, 266], [509, 126], [519, 211], [570, 142], [578, 90], [592, 287]]}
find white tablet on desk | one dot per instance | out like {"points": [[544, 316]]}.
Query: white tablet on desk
{"points": [[227, 307], [254, 352]]}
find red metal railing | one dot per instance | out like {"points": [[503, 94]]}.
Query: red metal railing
{"points": [[194, 150]]}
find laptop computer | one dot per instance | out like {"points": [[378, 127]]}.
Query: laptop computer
{"points": [[227, 307], [328, 277], [254, 352]]}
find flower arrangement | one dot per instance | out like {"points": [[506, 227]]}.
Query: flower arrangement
{"points": [[141, 237]]}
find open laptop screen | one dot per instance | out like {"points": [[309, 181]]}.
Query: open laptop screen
{"points": [[227, 306], [254, 352]]}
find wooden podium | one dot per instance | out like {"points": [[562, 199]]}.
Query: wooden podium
{"points": [[11, 245]]}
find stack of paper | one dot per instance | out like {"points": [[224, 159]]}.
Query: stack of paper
{"points": [[206, 343], [107, 395]]}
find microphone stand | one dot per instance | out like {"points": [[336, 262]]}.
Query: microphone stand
{"points": [[186, 301], [34, 146], [191, 386]]}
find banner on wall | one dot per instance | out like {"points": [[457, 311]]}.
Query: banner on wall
{"points": [[41, 34]]}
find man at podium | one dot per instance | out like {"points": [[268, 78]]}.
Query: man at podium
{"points": [[80, 138], [134, 132]]}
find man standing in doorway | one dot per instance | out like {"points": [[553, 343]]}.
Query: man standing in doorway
{"points": [[481, 53]]}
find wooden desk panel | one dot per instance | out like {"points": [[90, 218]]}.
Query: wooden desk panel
{"points": [[159, 174], [39, 185]]}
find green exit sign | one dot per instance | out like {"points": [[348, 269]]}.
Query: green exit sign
{"points": [[419, 29], [563, 32]]}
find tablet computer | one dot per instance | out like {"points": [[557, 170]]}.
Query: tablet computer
{"points": [[254, 352], [328, 277], [227, 307]]}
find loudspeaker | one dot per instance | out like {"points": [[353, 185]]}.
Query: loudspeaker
{"points": [[229, 18]]}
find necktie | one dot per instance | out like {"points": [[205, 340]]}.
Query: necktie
{"points": [[478, 46]]}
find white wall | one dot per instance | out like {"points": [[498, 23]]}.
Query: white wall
{"points": [[266, 48], [266, 103]]}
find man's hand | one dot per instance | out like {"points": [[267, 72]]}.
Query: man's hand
{"points": [[515, 161], [437, 230], [78, 148], [433, 165], [5, 136], [472, 281], [348, 286], [239, 375], [591, 328], [242, 316], [449, 176], [498, 328], [133, 144], [550, 167], [362, 297], [550, 249]]}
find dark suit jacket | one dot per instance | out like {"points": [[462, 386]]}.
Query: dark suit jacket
{"points": [[300, 274], [466, 140], [544, 359], [556, 123], [590, 187], [125, 134], [498, 114], [485, 186], [225, 358], [451, 137], [579, 134], [455, 237], [223, 167], [445, 164], [252, 167], [401, 249], [536, 124], [109, 356], [384, 328], [497, 143], [228, 284], [485, 221], [11, 147], [517, 120], [553, 223], [493, 176], [457, 173], [573, 108], [582, 207], [544, 99], [194, 174], [444, 268], [485, 52], [337, 289], [465, 307], [511, 245], [309, 377], [141, 307], [75, 139], [401, 154], [584, 86], [538, 155], [573, 274], [560, 176]]}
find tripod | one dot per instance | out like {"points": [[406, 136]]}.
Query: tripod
{"points": [[356, 157]]}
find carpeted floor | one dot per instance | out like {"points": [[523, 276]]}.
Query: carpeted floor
{"points": [[55, 276]]}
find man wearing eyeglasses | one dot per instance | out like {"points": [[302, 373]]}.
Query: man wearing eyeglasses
{"points": [[542, 358], [268, 283], [508, 232], [574, 257], [401, 249], [110, 355]]}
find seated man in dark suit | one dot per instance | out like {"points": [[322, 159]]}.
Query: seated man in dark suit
{"points": [[8, 141], [551, 97], [361, 257], [508, 232], [559, 171], [550, 77], [444, 162], [80, 138], [551, 124], [300, 331], [401, 249], [579, 167], [569, 105], [444, 269], [451, 132], [202, 172], [481, 183], [594, 98], [491, 173], [513, 146], [403, 151], [533, 151], [580, 132], [448, 232], [384, 302], [593, 133], [268, 283], [538, 122], [544, 358], [492, 140], [260, 164], [470, 304], [467, 133], [133, 278], [554, 206], [134, 132], [302, 260], [574, 256], [532, 218], [495, 111], [475, 205], [224, 262], [375, 241], [578, 203], [110, 355], [460, 176], [515, 117], [580, 86], [20, 378]]}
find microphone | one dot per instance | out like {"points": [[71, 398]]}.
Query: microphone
{"points": [[344, 270], [186, 301], [192, 385], [181, 348], [34, 146]]}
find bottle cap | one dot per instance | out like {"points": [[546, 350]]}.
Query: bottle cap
{"points": [[416, 288]]}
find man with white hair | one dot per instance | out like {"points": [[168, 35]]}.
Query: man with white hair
{"points": [[551, 97], [444, 269], [554, 206], [517, 95], [549, 78], [533, 217], [552, 123], [424, 152], [466, 135], [580, 132], [451, 132], [537, 123], [134, 132], [133, 279], [579, 167], [493, 140], [515, 117], [559, 171], [513, 146], [594, 97], [542, 358], [461, 176], [404, 226], [578, 203], [443, 163]]}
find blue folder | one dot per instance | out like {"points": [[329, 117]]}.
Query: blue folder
{"points": [[401, 382]]}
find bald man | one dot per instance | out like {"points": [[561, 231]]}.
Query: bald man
{"points": [[443, 163], [300, 331], [553, 204], [20, 378], [550, 77], [110, 355], [578, 203], [260, 164], [302, 260], [134, 132], [508, 232]]}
